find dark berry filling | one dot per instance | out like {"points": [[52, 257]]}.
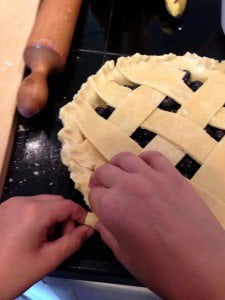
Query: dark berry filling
{"points": [[193, 85], [187, 167], [215, 133], [142, 136], [187, 77], [132, 87], [104, 112], [169, 104]]}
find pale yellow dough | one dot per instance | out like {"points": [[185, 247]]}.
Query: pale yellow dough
{"points": [[88, 140], [91, 219]]}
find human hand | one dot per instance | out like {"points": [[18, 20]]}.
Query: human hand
{"points": [[27, 249], [158, 227]]}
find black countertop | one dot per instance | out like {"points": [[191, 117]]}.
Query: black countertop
{"points": [[106, 29]]}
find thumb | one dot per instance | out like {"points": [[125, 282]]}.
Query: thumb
{"points": [[66, 245]]}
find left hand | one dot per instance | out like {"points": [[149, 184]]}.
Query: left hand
{"points": [[26, 252]]}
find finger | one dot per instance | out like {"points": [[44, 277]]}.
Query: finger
{"points": [[68, 227], [59, 211], [40, 198], [107, 237], [46, 197], [96, 197], [129, 162], [65, 246], [106, 176], [157, 161]]}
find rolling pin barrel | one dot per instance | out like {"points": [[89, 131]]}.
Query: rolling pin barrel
{"points": [[46, 51]]}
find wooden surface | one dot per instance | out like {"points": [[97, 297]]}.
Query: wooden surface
{"points": [[16, 21], [46, 51]]}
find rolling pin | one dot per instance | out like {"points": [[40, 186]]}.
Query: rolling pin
{"points": [[46, 51]]}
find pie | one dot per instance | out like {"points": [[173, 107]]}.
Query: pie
{"points": [[171, 104]]}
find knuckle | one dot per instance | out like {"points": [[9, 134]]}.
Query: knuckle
{"points": [[14, 200], [68, 203], [100, 170], [31, 210], [15, 203], [49, 197], [122, 156], [58, 197], [152, 155], [157, 155]]}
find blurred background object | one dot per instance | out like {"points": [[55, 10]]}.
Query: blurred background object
{"points": [[176, 7], [134, 20], [223, 15]]}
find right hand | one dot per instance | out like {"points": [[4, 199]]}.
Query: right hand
{"points": [[158, 227]]}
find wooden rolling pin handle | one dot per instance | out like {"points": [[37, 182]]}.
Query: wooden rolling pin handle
{"points": [[46, 51], [33, 92]]}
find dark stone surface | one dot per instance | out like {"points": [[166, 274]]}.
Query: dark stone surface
{"points": [[106, 29]]}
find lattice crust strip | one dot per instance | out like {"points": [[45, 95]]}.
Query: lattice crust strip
{"points": [[139, 104], [181, 132], [88, 140], [202, 106], [155, 75], [218, 120], [211, 175]]}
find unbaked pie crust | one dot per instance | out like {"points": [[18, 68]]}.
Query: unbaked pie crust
{"points": [[88, 140]]}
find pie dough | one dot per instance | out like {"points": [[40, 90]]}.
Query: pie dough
{"points": [[87, 137]]}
